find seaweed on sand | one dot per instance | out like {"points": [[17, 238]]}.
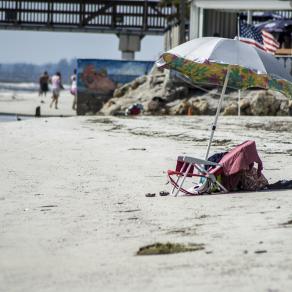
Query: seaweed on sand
{"points": [[275, 126], [100, 120], [168, 248]]}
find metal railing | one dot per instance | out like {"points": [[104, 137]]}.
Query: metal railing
{"points": [[93, 15]]}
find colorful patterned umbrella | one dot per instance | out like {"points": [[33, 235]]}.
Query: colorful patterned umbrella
{"points": [[227, 62]]}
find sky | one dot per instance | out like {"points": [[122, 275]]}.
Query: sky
{"points": [[43, 47]]}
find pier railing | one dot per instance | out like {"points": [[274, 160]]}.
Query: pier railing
{"points": [[148, 17]]}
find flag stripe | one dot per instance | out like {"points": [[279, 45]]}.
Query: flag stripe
{"points": [[252, 42], [268, 36], [270, 44]]}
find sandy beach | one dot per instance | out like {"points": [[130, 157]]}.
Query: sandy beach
{"points": [[74, 211]]}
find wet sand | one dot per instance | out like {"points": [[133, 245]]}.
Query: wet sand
{"points": [[74, 211]]}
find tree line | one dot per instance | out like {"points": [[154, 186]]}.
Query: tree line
{"points": [[24, 72]]}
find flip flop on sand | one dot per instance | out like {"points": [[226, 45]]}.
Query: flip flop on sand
{"points": [[150, 195], [163, 193]]}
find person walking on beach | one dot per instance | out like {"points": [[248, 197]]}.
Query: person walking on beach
{"points": [[73, 89], [57, 85], [44, 84]]}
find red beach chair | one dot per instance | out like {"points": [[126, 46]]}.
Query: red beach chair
{"points": [[239, 158]]}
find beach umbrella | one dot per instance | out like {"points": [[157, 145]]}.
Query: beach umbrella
{"points": [[226, 62]]}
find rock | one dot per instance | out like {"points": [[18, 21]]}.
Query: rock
{"points": [[180, 92], [157, 79], [181, 99], [156, 105], [200, 107], [114, 109], [121, 91], [283, 109], [264, 104], [116, 106], [181, 108], [137, 82], [231, 109], [244, 105], [290, 107], [153, 106], [159, 99], [89, 113], [164, 111]]}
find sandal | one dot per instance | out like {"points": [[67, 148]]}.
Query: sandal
{"points": [[163, 193], [150, 195]]}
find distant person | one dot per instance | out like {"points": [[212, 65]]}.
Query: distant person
{"points": [[44, 84], [57, 85], [73, 89]]}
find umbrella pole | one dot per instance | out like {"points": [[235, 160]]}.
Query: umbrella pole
{"points": [[239, 94], [218, 110]]}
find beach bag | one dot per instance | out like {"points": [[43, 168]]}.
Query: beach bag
{"points": [[251, 181]]}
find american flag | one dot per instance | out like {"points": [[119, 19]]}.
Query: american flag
{"points": [[260, 39]]}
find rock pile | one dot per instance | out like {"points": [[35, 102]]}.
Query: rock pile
{"points": [[160, 93]]}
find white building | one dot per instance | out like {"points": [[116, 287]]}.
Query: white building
{"points": [[214, 16]]}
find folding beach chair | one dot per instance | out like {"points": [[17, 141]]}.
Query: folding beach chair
{"points": [[189, 168], [239, 158]]}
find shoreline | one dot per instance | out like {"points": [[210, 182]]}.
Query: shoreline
{"points": [[33, 116], [24, 103]]}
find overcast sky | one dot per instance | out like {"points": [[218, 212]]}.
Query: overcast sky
{"points": [[43, 47]]}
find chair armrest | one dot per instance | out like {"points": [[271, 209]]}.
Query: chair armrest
{"points": [[189, 159]]}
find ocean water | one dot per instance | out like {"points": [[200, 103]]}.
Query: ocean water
{"points": [[22, 86], [28, 87]]}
